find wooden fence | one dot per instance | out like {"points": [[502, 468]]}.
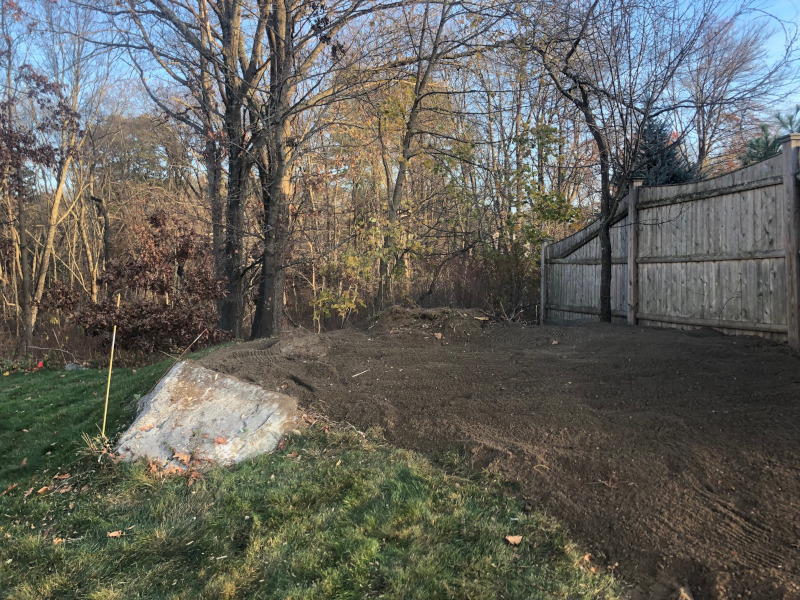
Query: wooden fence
{"points": [[719, 253]]}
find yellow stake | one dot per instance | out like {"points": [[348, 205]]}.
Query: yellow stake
{"points": [[110, 363]]}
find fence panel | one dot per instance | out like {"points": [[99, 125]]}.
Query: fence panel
{"points": [[711, 253]]}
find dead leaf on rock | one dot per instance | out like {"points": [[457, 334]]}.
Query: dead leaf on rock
{"points": [[146, 428], [183, 457], [514, 540], [114, 534], [220, 440]]}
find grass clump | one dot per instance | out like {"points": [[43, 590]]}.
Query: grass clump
{"points": [[334, 514]]}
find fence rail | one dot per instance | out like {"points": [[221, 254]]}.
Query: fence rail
{"points": [[719, 253]]}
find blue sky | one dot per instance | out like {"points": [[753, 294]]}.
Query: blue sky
{"points": [[789, 11]]}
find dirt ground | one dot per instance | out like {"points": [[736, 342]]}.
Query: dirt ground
{"points": [[672, 457]]}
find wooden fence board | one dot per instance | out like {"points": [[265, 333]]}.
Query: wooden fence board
{"points": [[707, 253]]}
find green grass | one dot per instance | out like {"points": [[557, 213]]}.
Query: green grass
{"points": [[334, 514], [44, 413]]}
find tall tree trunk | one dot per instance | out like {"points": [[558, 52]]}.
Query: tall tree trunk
{"points": [[232, 305], [26, 340]]}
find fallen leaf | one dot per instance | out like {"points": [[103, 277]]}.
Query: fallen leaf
{"points": [[24, 461], [57, 540], [42, 489], [183, 457], [71, 505], [555, 342], [62, 476], [64, 490], [587, 557], [8, 489], [152, 467], [481, 318], [6, 374], [114, 534], [27, 493], [146, 428], [218, 439], [194, 476], [173, 470], [437, 335], [514, 540], [293, 455]]}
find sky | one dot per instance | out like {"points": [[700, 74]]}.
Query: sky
{"points": [[789, 11]]}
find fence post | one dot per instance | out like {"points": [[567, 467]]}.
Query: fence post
{"points": [[633, 251], [791, 234], [543, 284]]}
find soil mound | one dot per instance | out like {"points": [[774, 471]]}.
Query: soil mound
{"points": [[671, 456]]}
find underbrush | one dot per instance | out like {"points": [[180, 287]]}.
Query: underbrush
{"points": [[334, 514]]}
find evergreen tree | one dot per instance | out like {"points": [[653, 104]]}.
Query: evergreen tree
{"points": [[659, 160], [767, 145]]}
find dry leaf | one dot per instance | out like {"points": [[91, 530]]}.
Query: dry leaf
{"points": [[437, 335], [6, 374], [57, 540], [152, 467], [146, 428], [173, 470], [555, 342], [481, 318], [27, 493], [64, 490], [218, 439], [43, 489], [183, 457], [24, 461], [114, 534], [587, 557], [9, 488], [194, 476], [293, 455], [71, 505], [338, 462], [62, 476], [514, 540]]}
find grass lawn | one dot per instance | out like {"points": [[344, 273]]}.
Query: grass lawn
{"points": [[334, 514]]}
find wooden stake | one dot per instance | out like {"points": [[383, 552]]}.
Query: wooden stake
{"points": [[110, 364]]}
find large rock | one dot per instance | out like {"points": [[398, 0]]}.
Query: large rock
{"points": [[198, 412]]}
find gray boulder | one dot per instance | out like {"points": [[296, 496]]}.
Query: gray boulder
{"points": [[199, 413]]}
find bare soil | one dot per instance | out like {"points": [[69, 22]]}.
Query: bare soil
{"points": [[673, 457]]}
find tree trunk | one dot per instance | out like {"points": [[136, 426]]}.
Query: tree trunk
{"points": [[232, 305], [26, 339], [605, 270], [276, 189]]}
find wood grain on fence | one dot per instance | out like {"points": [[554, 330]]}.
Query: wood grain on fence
{"points": [[719, 253]]}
